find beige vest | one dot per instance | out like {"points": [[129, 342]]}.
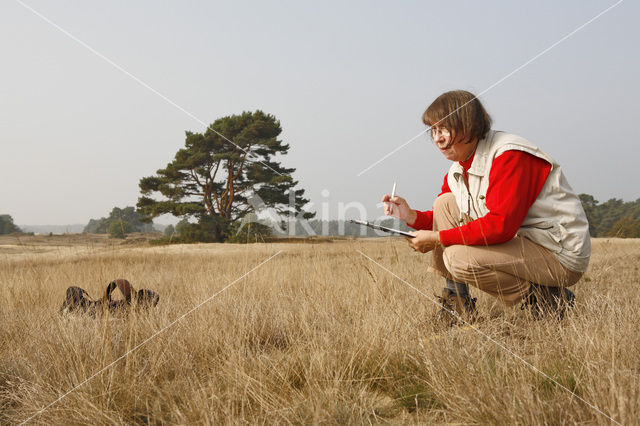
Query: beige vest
{"points": [[556, 220]]}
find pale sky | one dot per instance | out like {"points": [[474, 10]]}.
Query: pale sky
{"points": [[348, 81]]}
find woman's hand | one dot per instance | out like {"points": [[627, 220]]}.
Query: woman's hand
{"points": [[401, 208], [424, 241]]}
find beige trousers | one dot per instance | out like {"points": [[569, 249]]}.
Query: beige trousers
{"points": [[502, 270]]}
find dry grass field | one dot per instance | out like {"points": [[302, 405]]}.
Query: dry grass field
{"points": [[317, 333]]}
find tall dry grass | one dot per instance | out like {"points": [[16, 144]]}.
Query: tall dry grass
{"points": [[319, 334]]}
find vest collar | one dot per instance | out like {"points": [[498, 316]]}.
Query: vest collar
{"points": [[480, 158]]}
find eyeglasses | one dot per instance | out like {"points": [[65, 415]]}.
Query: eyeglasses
{"points": [[442, 132]]}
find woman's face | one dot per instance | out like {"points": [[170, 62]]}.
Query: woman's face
{"points": [[456, 151]]}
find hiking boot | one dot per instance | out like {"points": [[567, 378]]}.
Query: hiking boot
{"points": [[542, 301], [455, 309]]}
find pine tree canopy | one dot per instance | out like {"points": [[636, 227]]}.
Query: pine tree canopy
{"points": [[213, 177]]}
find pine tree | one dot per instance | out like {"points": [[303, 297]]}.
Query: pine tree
{"points": [[212, 178]]}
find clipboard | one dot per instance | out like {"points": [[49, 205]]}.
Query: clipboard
{"points": [[382, 228]]}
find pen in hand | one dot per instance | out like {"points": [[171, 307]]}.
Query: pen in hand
{"points": [[393, 194]]}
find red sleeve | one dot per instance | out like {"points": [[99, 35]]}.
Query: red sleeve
{"points": [[515, 181], [425, 219]]}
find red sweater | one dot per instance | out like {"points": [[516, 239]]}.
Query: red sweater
{"points": [[515, 180]]}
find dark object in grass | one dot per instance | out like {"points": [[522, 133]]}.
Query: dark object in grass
{"points": [[77, 300], [543, 301]]}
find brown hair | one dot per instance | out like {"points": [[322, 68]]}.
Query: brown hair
{"points": [[461, 113]]}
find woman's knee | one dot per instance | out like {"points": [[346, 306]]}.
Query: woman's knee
{"points": [[444, 202], [446, 214]]}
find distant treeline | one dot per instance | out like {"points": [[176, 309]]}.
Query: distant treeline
{"points": [[613, 218], [7, 226], [260, 231], [119, 223]]}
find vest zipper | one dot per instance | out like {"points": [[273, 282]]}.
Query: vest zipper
{"points": [[469, 203]]}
